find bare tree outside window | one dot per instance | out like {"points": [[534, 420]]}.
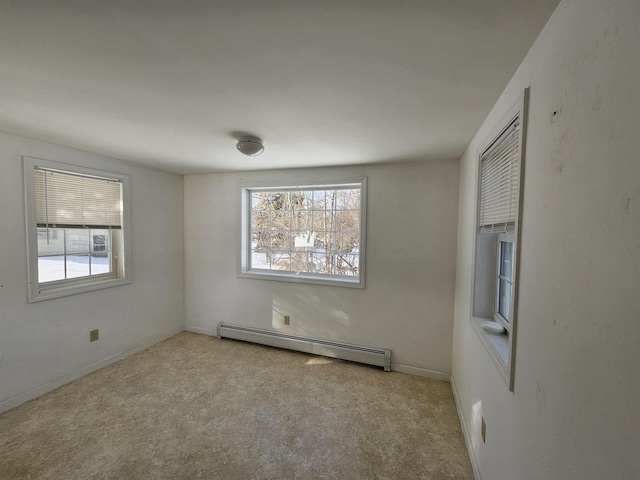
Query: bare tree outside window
{"points": [[308, 231]]}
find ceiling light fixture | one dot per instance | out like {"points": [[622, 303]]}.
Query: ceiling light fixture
{"points": [[250, 145]]}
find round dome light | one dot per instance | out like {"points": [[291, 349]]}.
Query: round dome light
{"points": [[250, 145]]}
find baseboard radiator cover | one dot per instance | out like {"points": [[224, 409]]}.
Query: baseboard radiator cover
{"points": [[379, 357]]}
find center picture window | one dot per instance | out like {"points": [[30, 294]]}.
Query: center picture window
{"points": [[310, 234]]}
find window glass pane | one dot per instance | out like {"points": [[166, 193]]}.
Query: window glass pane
{"points": [[324, 242], [100, 265], [321, 263], [303, 240], [260, 220], [100, 251], [260, 240], [77, 266], [347, 242], [280, 260], [260, 259], [506, 259], [100, 242], [50, 241], [302, 200], [88, 252], [281, 220], [50, 268], [306, 231], [288, 200], [301, 262], [347, 264], [259, 200], [324, 222], [50, 254], [77, 240], [504, 299], [348, 199], [279, 201], [321, 200], [280, 240], [347, 221], [302, 221]]}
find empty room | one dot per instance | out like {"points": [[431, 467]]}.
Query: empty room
{"points": [[320, 240]]}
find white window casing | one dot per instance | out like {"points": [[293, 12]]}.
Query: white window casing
{"points": [[74, 212], [499, 212]]}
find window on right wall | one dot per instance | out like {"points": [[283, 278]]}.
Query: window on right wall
{"points": [[495, 286]]}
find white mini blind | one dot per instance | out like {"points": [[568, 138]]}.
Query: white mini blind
{"points": [[74, 201], [499, 184]]}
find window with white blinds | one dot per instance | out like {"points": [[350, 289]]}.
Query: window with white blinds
{"points": [[500, 181], [497, 249], [77, 201], [78, 234]]}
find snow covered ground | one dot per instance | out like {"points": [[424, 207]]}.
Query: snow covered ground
{"points": [[281, 261], [52, 268]]}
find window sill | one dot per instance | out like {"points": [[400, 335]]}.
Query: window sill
{"points": [[352, 282], [39, 294], [497, 345]]}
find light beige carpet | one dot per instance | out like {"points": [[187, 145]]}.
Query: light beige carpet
{"points": [[194, 406]]}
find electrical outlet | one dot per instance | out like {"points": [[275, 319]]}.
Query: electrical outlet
{"points": [[483, 431], [94, 335], [287, 320]]}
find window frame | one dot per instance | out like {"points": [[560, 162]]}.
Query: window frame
{"points": [[500, 347], [90, 252], [38, 291], [244, 253], [497, 314]]}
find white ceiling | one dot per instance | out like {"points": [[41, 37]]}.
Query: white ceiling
{"points": [[172, 83]]}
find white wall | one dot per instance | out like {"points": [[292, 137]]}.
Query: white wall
{"points": [[46, 344], [407, 305], [575, 412]]}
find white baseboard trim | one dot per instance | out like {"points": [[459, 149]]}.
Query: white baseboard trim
{"points": [[419, 371], [205, 331], [58, 382], [465, 432]]}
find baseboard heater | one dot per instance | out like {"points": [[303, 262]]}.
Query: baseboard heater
{"points": [[372, 356]]}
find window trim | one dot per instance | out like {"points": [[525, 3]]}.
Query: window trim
{"points": [[244, 251], [39, 292], [500, 346]]}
